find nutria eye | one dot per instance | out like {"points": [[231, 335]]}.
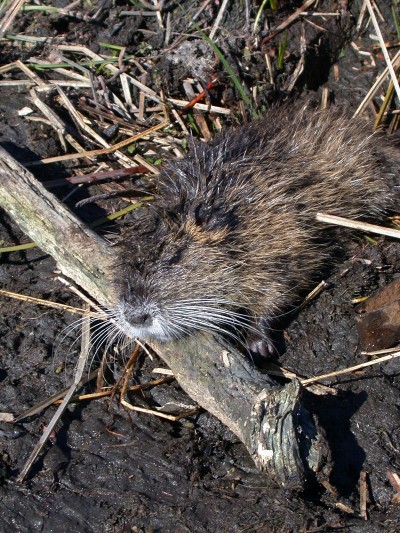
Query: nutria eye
{"points": [[176, 258]]}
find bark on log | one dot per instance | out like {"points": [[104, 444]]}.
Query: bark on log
{"points": [[271, 421], [80, 253]]}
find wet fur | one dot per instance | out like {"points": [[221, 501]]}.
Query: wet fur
{"points": [[233, 227]]}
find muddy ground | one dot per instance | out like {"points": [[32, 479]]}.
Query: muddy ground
{"points": [[108, 469]]}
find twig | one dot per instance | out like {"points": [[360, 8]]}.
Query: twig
{"points": [[376, 86], [363, 495], [97, 176], [54, 305], [9, 17], [218, 19], [199, 96], [111, 149], [394, 480], [350, 369], [384, 50], [355, 224], [77, 378], [160, 414], [202, 107], [288, 21]]}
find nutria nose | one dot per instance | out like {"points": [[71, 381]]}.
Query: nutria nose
{"points": [[140, 319]]}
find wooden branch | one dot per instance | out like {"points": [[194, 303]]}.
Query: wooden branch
{"points": [[81, 254], [271, 421], [278, 432]]}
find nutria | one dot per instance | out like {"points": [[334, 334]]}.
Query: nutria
{"points": [[232, 240]]}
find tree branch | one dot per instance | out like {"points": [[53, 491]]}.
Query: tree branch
{"points": [[271, 421]]}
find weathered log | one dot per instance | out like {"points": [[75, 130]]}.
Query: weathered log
{"points": [[278, 432], [81, 254]]}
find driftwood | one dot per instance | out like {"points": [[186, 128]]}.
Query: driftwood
{"points": [[280, 435]]}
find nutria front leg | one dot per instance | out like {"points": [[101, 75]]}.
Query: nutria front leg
{"points": [[260, 340]]}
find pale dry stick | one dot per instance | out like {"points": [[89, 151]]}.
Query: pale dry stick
{"points": [[54, 305], [345, 508], [381, 352], [113, 148], [152, 168], [160, 414], [314, 24], [51, 84], [142, 100], [82, 296], [16, 83], [363, 53], [125, 160], [355, 224], [291, 82], [34, 79], [79, 119], [73, 5], [121, 105], [379, 12], [69, 73], [165, 371], [85, 346], [269, 69], [394, 480], [322, 14], [202, 107], [127, 93], [56, 122], [137, 14], [33, 39], [167, 37], [107, 391], [218, 19], [10, 15], [112, 68], [363, 495], [31, 75], [7, 68], [313, 294], [180, 121], [384, 49], [350, 369], [380, 80], [158, 6], [199, 12]]}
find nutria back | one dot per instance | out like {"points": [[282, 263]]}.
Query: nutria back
{"points": [[232, 237]]}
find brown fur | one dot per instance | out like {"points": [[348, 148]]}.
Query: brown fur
{"points": [[234, 225]]}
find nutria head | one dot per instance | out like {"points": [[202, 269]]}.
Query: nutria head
{"points": [[180, 273]]}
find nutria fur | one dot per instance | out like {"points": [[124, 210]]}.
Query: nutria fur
{"points": [[232, 237]]}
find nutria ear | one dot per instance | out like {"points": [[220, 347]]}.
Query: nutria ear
{"points": [[194, 143], [210, 217]]}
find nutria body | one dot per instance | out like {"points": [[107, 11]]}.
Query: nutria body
{"points": [[232, 237]]}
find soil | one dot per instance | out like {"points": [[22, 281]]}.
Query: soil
{"points": [[109, 469]]}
